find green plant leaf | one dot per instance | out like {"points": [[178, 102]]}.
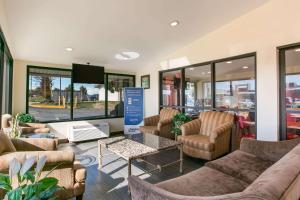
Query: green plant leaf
{"points": [[29, 176], [47, 182], [15, 194], [46, 194], [30, 190], [5, 187]]}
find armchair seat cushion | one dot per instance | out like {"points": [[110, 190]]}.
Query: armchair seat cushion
{"points": [[192, 184], [241, 165], [149, 129], [198, 141]]}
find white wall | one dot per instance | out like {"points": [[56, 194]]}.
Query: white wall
{"points": [[274, 24], [3, 24], [19, 96]]}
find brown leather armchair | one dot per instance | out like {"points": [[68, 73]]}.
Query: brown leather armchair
{"points": [[26, 127], [70, 174], [161, 124], [207, 137]]}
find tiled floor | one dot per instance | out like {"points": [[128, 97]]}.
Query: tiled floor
{"points": [[111, 181]]}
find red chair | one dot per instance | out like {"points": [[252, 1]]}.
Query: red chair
{"points": [[244, 127]]}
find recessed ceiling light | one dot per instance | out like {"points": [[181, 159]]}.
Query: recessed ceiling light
{"points": [[69, 49], [229, 62], [127, 55], [297, 50], [191, 69], [245, 67], [174, 23], [208, 72]]}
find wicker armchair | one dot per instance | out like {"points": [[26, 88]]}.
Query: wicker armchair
{"points": [[161, 124], [209, 136], [70, 173]]}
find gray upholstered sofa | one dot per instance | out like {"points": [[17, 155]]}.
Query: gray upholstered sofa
{"points": [[258, 170]]}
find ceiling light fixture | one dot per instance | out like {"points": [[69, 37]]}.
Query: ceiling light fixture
{"points": [[245, 67], [297, 50], [69, 49], [208, 72], [229, 62], [174, 23], [127, 55]]}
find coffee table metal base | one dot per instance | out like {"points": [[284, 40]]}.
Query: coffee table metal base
{"points": [[140, 159]]}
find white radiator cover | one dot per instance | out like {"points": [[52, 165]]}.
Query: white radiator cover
{"points": [[78, 133]]}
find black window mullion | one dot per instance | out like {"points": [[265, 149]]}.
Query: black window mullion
{"points": [[1, 74], [183, 85], [72, 98], [213, 85], [106, 95], [282, 91]]}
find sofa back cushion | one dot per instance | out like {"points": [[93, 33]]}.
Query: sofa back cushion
{"points": [[212, 119], [273, 182], [167, 113], [5, 144]]}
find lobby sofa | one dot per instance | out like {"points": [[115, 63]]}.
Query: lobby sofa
{"points": [[70, 173], [258, 170], [161, 124], [207, 137]]}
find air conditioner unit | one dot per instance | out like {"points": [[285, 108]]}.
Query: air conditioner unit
{"points": [[78, 133]]}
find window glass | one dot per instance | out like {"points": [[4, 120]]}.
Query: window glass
{"points": [[171, 88], [235, 90], [49, 94], [292, 93], [197, 89], [115, 89], [89, 100], [235, 84]]}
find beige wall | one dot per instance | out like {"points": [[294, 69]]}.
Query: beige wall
{"points": [[274, 24], [19, 95]]}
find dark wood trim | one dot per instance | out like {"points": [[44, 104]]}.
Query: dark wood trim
{"points": [[183, 85], [282, 108]]}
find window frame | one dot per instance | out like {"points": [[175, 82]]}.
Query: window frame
{"points": [[212, 64], [105, 116], [282, 81], [4, 51]]}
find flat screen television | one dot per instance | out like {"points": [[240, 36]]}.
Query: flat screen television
{"points": [[88, 74]]}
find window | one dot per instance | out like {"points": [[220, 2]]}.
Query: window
{"points": [[89, 100], [197, 89], [115, 88], [290, 92], [227, 85], [171, 83], [53, 97], [6, 69], [49, 94], [235, 90]]}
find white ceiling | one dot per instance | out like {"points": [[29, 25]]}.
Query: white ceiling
{"points": [[40, 30]]}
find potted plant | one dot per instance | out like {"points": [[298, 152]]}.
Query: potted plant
{"points": [[179, 120], [25, 118], [30, 185]]}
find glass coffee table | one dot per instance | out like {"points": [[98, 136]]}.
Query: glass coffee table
{"points": [[136, 147]]}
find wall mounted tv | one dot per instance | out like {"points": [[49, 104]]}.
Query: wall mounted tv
{"points": [[88, 74]]}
